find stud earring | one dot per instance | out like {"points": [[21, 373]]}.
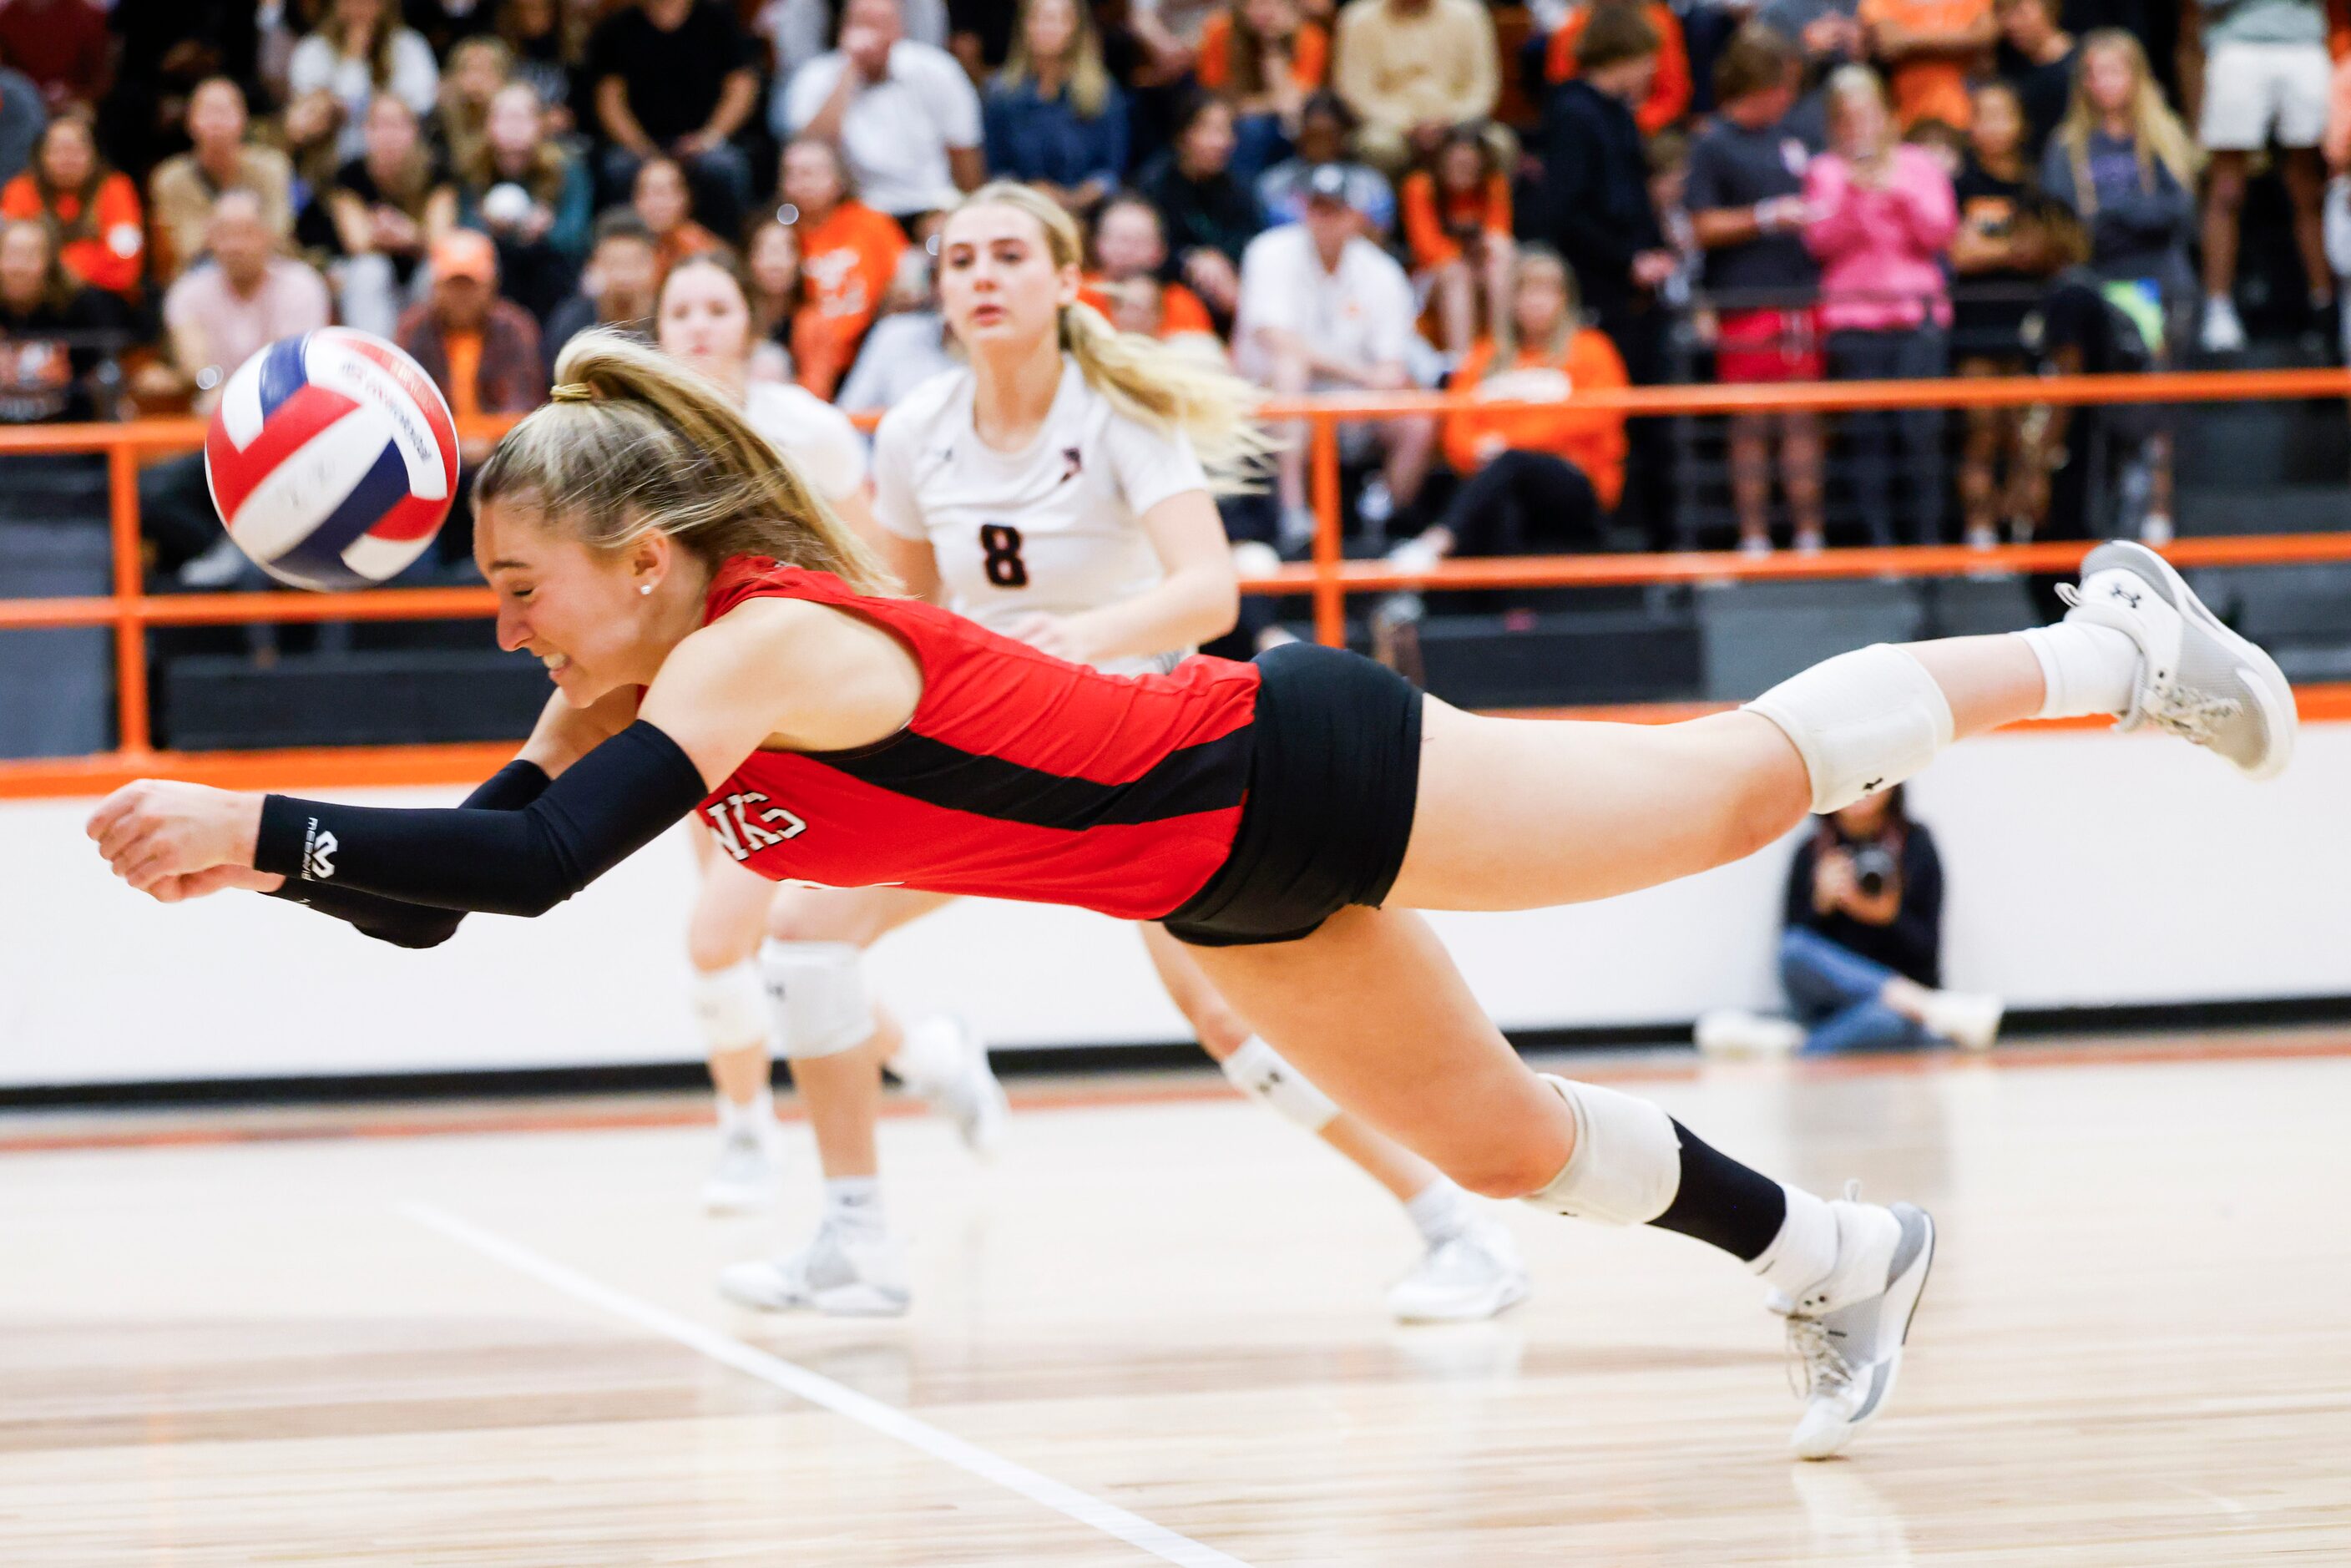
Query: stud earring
{"points": [[646, 587]]}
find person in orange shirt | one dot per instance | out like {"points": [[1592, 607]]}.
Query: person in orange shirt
{"points": [[1669, 89], [92, 210], [1457, 221], [849, 252], [1929, 49], [665, 201], [1265, 60], [1535, 479], [1130, 249]]}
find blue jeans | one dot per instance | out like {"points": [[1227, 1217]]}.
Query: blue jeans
{"points": [[1834, 990]]}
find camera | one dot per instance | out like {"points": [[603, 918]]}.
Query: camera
{"points": [[1874, 869]]}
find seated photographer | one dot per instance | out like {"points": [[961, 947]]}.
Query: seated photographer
{"points": [[1861, 957]]}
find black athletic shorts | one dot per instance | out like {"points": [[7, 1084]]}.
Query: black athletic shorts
{"points": [[1334, 771]]}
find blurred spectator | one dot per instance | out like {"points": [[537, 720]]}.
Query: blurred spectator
{"points": [[1668, 191], [1411, 69], [383, 210], [2265, 77], [1130, 253], [676, 78], [1668, 96], [1860, 954], [1827, 34], [1881, 217], [1946, 143], [2082, 470], [1597, 189], [92, 211], [1995, 293], [448, 24], [471, 75], [180, 197], [907, 347], [1538, 480], [2043, 80], [1207, 216], [359, 52], [531, 195], [62, 44], [49, 331], [22, 121], [2124, 163], [549, 41], [1325, 126], [771, 292], [218, 316], [168, 47], [662, 199], [1323, 308], [1053, 117], [616, 290], [1745, 194], [1929, 49], [800, 30], [849, 252], [903, 114], [1265, 60], [2338, 152], [481, 351], [1457, 223]]}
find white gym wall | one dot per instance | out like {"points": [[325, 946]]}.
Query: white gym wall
{"points": [[2083, 870]]}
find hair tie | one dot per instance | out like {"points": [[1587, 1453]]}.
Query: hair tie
{"points": [[572, 392]]}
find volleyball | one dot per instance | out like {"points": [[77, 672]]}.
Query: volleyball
{"points": [[332, 458]]}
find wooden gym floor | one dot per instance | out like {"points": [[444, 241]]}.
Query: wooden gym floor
{"points": [[1153, 1332]]}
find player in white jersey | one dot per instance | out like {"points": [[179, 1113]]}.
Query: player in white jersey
{"points": [[703, 318], [1054, 491]]}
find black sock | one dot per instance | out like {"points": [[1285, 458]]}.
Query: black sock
{"points": [[1722, 1202]]}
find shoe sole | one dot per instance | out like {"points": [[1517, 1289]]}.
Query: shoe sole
{"points": [[840, 1301], [1493, 1305], [734, 1201], [2271, 691]]}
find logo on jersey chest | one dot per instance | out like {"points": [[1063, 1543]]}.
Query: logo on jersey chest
{"points": [[748, 822]]}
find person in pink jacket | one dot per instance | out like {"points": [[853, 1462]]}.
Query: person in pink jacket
{"points": [[1880, 218]]}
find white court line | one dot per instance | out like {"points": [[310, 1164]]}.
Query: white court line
{"points": [[842, 1400]]}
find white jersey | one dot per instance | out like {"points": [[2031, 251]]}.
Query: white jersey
{"points": [[818, 437], [1056, 528]]}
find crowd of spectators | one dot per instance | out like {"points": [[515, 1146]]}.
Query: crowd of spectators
{"points": [[1366, 196]]}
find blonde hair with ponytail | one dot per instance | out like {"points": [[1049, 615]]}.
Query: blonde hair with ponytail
{"points": [[636, 443], [1163, 387]]}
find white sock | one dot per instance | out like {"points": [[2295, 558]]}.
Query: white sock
{"points": [[758, 1113], [2085, 669], [1439, 1212], [1804, 1251], [853, 1201]]}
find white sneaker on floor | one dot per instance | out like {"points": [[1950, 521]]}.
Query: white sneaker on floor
{"points": [[1969, 1019], [2224, 333], [842, 1272], [1414, 554], [1846, 1332], [2198, 679], [750, 1168], [1735, 1031], [1470, 1276], [945, 1061]]}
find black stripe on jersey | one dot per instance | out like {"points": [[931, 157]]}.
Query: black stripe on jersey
{"points": [[1212, 776]]}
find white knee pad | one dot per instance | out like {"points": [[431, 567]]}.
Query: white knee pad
{"points": [[1257, 1071], [1863, 722], [816, 994], [1627, 1163], [731, 1006]]}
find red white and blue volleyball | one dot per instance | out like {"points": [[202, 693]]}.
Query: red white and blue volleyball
{"points": [[332, 458]]}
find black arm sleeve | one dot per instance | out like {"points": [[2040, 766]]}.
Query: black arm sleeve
{"points": [[613, 803], [402, 925]]}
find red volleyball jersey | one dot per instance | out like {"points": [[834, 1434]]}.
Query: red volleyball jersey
{"points": [[1019, 775]]}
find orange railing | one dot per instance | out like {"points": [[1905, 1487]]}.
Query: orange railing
{"points": [[1326, 579]]}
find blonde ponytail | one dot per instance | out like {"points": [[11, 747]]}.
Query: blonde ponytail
{"points": [[635, 443], [1164, 387]]}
